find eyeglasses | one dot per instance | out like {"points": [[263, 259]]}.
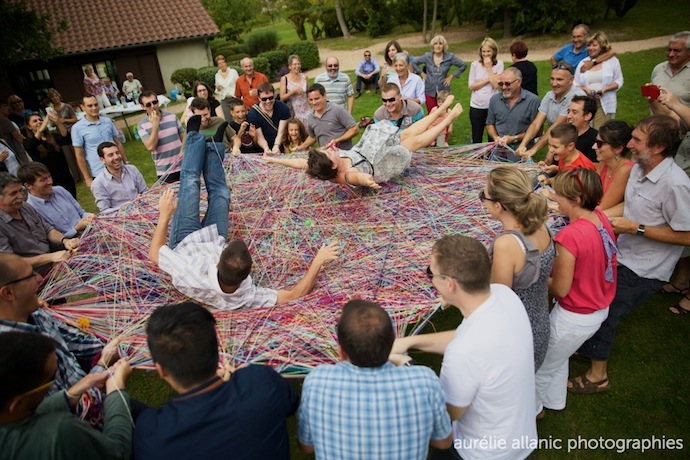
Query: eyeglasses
{"points": [[40, 388], [16, 102], [367, 55], [266, 99], [430, 274], [27, 277], [564, 66], [575, 173], [390, 99], [483, 197], [507, 83], [674, 50], [150, 104], [599, 143], [333, 66]]}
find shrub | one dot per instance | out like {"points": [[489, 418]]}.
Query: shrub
{"points": [[185, 78], [207, 75], [262, 41], [379, 24], [276, 60], [231, 32], [308, 53]]}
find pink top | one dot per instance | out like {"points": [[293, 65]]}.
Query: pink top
{"points": [[480, 98], [590, 291], [93, 85], [607, 182]]}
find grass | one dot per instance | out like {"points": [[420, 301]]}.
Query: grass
{"points": [[650, 389]]}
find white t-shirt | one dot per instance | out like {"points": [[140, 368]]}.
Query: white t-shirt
{"points": [[488, 367]]}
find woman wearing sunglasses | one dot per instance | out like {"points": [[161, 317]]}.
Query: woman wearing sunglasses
{"points": [[583, 283], [46, 147], [613, 164], [523, 253]]}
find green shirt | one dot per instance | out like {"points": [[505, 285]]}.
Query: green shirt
{"points": [[54, 433]]}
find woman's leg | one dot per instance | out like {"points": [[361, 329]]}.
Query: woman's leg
{"points": [[422, 125], [414, 143]]}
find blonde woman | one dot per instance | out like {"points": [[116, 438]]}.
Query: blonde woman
{"points": [[602, 80], [438, 62], [483, 82], [522, 255]]}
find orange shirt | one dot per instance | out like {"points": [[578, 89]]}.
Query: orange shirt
{"points": [[243, 86], [580, 162]]}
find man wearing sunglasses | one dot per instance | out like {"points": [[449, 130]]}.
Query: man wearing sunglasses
{"points": [[553, 108], [338, 86], [161, 132], [78, 353], [269, 117], [487, 361], [396, 110], [512, 110], [33, 426]]}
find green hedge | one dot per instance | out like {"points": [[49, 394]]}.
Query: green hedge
{"points": [[277, 60], [308, 53], [261, 41], [185, 77], [207, 75]]}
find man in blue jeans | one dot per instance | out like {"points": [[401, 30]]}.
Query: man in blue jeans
{"points": [[201, 265]]}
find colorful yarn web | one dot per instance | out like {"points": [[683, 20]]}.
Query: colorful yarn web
{"points": [[285, 216]]}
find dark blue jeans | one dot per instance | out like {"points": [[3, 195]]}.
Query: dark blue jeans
{"points": [[631, 291], [201, 157]]}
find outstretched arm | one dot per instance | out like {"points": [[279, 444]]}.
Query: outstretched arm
{"points": [[166, 205], [296, 163], [360, 178], [306, 284]]}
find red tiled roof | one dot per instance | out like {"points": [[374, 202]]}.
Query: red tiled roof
{"points": [[106, 24]]}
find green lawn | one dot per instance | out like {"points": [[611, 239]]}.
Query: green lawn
{"points": [[649, 369]]}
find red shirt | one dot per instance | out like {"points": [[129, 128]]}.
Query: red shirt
{"points": [[243, 86], [580, 162], [589, 291]]}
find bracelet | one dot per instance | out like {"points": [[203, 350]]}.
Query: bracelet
{"points": [[62, 241]]}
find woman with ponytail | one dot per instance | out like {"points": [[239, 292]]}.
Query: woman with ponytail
{"points": [[523, 253]]}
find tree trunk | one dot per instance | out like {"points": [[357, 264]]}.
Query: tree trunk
{"points": [[425, 39], [341, 19], [507, 19], [433, 19]]}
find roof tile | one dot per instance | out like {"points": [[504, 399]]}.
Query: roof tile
{"points": [[101, 24]]}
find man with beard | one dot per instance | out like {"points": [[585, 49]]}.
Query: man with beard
{"points": [[653, 227]]}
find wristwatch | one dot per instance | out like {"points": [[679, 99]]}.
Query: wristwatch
{"points": [[640, 229], [594, 61]]}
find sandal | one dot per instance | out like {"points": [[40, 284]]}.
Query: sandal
{"points": [[674, 290], [677, 309], [582, 385]]}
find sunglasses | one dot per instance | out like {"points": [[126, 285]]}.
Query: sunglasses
{"points": [[266, 99], [507, 83], [483, 197], [333, 66], [151, 104], [564, 66], [599, 143], [19, 280], [575, 173], [390, 99]]}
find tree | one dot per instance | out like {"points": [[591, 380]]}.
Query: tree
{"points": [[425, 38], [25, 34], [341, 19]]}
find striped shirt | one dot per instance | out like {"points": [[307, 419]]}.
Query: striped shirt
{"points": [[72, 346], [193, 268], [167, 151], [338, 90]]}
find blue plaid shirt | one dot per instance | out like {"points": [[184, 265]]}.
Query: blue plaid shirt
{"points": [[71, 346], [387, 412]]}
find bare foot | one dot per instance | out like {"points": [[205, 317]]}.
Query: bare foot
{"points": [[447, 103], [457, 111]]}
